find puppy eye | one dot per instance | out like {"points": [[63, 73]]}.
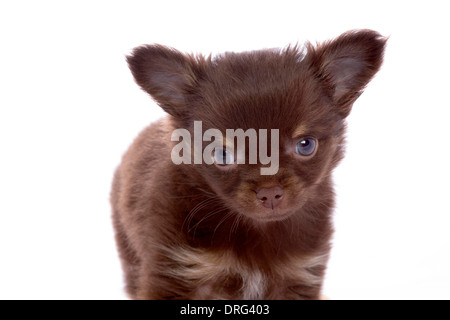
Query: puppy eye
{"points": [[306, 147], [222, 157]]}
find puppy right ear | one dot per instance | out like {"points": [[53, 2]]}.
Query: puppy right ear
{"points": [[347, 64], [166, 74]]}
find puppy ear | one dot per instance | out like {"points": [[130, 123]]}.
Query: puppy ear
{"points": [[166, 74], [348, 63]]}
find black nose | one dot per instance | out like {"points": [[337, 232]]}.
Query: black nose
{"points": [[270, 197]]}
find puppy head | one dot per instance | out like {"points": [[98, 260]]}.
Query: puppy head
{"points": [[301, 96]]}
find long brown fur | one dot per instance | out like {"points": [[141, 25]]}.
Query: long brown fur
{"points": [[199, 232]]}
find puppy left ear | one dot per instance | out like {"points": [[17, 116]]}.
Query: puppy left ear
{"points": [[347, 64], [169, 76]]}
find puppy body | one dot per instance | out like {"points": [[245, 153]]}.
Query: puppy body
{"points": [[200, 231]]}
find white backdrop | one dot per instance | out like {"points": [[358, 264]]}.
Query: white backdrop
{"points": [[69, 108]]}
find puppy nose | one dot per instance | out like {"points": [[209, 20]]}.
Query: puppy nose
{"points": [[270, 197]]}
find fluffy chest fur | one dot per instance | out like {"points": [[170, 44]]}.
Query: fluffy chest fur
{"points": [[222, 275]]}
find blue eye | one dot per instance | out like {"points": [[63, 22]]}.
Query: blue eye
{"points": [[223, 157], [306, 147]]}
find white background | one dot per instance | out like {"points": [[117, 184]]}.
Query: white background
{"points": [[69, 108]]}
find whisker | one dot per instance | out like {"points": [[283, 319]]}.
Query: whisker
{"points": [[205, 218], [234, 226], [185, 197], [228, 215], [207, 192], [197, 209], [210, 214]]}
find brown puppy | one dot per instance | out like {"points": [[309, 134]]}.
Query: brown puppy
{"points": [[187, 228]]}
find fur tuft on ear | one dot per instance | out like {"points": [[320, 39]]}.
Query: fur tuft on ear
{"points": [[166, 74], [347, 64]]}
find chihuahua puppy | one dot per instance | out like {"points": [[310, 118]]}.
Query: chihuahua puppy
{"points": [[204, 219]]}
